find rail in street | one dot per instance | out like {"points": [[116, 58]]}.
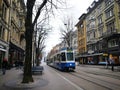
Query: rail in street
{"points": [[88, 78], [83, 78]]}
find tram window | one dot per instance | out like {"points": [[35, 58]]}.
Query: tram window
{"points": [[70, 56], [55, 58], [63, 56], [58, 57]]}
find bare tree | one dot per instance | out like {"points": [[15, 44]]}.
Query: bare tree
{"points": [[29, 28], [67, 32], [43, 32]]}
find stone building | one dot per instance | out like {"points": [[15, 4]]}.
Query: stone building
{"points": [[12, 20], [103, 32]]}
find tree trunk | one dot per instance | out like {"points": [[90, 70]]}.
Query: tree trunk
{"points": [[28, 61], [27, 76], [29, 28], [28, 57], [37, 57]]}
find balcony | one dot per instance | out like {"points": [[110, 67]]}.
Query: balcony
{"points": [[91, 41], [92, 19], [109, 33]]}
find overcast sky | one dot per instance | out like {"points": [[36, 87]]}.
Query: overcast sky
{"points": [[77, 7]]}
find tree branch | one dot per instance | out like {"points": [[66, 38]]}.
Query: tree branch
{"points": [[39, 10]]}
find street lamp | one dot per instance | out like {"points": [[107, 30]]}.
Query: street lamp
{"points": [[69, 35]]}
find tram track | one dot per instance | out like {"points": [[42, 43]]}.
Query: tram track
{"points": [[73, 75], [104, 74], [97, 81], [86, 78]]}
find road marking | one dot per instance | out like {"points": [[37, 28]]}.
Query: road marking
{"points": [[76, 86]]}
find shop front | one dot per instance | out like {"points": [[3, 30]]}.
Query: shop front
{"points": [[15, 54], [94, 58], [115, 55], [3, 51]]}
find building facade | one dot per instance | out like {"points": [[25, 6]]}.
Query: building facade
{"points": [[111, 34], [4, 29], [12, 20], [17, 29], [81, 33], [103, 32], [94, 30]]}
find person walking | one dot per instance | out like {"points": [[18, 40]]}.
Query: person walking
{"points": [[4, 65]]}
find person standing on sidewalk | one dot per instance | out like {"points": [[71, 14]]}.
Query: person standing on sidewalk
{"points": [[112, 63], [4, 65]]}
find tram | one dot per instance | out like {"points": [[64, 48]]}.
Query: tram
{"points": [[63, 60]]}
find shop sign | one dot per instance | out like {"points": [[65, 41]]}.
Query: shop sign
{"points": [[105, 54]]}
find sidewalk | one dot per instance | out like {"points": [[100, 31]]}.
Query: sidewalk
{"points": [[13, 78], [10, 75]]}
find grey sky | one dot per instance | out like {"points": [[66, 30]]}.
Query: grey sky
{"points": [[78, 7]]}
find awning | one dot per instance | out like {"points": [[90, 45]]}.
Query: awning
{"points": [[87, 55], [114, 52], [14, 47], [1, 49]]}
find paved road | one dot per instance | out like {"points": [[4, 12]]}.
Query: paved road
{"points": [[49, 80], [52, 79]]}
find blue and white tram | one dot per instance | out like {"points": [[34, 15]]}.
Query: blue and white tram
{"points": [[63, 60]]}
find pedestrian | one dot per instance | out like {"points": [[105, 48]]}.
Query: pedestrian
{"points": [[112, 63], [4, 65]]}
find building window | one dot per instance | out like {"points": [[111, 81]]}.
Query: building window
{"points": [[110, 27], [112, 43], [109, 13], [92, 24], [13, 10], [100, 31], [108, 2], [93, 35], [99, 20], [81, 26], [87, 28], [90, 35], [89, 47], [2, 30], [99, 9], [20, 23], [100, 46], [4, 11]]}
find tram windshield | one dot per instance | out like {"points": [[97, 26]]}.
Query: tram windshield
{"points": [[70, 56]]}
